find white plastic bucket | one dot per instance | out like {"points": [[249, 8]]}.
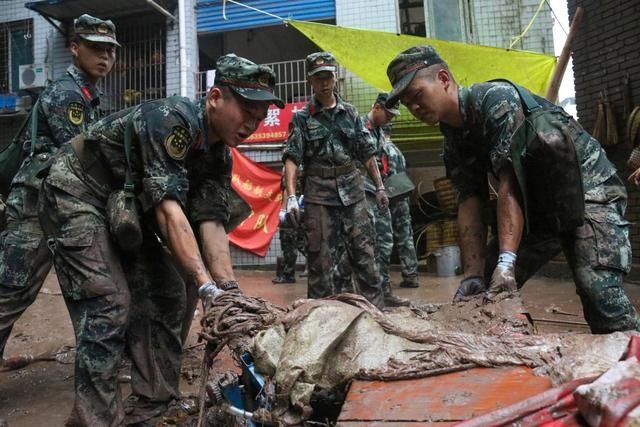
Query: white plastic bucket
{"points": [[447, 261]]}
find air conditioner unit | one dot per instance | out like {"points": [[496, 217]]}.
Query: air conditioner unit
{"points": [[33, 76]]}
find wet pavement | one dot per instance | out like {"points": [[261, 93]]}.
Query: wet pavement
{"points": [[42, 393]]}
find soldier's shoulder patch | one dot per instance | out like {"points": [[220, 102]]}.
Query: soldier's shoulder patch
{"points": [[75, 113], [177, 143]]}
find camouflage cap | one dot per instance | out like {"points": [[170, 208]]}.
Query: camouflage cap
{"points": [[248, 79], [382, 100], [95, 29], [321, 61], [403, 68]]}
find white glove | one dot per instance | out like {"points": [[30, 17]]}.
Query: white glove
{"points": [[293, 210], [504, 275], [209, 289], [282, 216]]}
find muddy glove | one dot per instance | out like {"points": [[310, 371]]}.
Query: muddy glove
{"points": [[293, 210], [504, 276], [469, 286], [209, 290], [381, 199]]}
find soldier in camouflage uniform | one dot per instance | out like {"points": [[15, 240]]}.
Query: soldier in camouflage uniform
{"points": [[65, 108], [557, 190], [327, 137], [181, 171], [375, 121], [391, 162], [292, 240]]}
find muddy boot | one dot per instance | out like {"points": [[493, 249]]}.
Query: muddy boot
{"points": [[391, 300], [305, 273], [280, 276], [283, 279], [410, 282]]}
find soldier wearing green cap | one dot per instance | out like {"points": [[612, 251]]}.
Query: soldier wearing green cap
{"points": [[65, 108], [375, 121], [328, 137], [172, 158], [557, 191]]}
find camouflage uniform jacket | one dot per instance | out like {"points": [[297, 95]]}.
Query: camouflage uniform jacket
{"points": [[325, 138], [67, 107], [170, 158], [492, 114], [389, 157]]}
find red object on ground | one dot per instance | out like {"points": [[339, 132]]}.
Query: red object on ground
{"points": [[438, 401], [482, 397]]}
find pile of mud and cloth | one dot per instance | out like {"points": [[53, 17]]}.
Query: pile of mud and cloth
{"points": [[308, 352]]}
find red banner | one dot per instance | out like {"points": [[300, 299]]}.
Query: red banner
{"points": [[275, 127], [259, 186]]}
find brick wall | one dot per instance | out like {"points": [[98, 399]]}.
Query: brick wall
{"points": [[605, 50]]}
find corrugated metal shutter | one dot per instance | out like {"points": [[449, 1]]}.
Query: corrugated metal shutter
{"points": [[210, 19]]}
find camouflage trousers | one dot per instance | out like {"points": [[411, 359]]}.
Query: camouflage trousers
{"points": [[383, 245], [598, 253], [401, 238], [24, 258], [116, 302], [325, 227], [292, 241], [385, 225]]}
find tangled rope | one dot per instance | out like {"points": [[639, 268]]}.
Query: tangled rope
{"points": [[234, 317]]}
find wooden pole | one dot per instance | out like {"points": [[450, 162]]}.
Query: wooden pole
{"points": [[563, 60]]}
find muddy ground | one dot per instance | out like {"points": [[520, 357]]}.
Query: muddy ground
{"points": [[42, 393]]}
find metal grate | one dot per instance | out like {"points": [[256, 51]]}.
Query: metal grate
{"points": [[14, 38], [139, 73]]}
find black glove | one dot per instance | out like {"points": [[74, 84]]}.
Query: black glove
{"points": [[469, 286]]}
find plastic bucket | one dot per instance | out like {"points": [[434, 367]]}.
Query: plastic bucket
{"points": [[447, 261]]}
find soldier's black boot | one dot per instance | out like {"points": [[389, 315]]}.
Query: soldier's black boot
{"points": [[280, 276], [391, 300], [410, 282]]}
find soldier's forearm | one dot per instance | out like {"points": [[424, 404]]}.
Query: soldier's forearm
{"points": [[181, 240], [215, 246], [473, 236], [510, 214], [374, 172], [290, 175]]}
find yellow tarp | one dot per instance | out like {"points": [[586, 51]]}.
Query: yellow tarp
{"points": [[367, 53]]}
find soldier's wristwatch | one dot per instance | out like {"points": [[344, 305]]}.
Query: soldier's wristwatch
{"points": [[228, 285]]}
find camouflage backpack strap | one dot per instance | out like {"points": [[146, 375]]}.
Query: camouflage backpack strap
{"points": [[128, 141], [34, 127], [528, 102], [122, 209], [560, 189]]}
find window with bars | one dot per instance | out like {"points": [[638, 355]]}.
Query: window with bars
{"points": [[139, 73], [412, 17], [16, 48]]}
